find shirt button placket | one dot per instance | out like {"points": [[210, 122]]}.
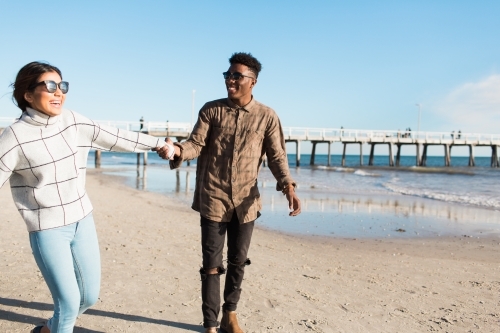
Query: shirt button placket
{"points": [[233, 169]]}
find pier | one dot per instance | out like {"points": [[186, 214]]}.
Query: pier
{"points": [[395, 140]]}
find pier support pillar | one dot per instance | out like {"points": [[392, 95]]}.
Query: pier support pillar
{"points": [[97, 158], [494, 157], [145, 158], [360, 153], [391, 156], [329, 154], [417, 161], [372, 152], [343, 155], [398, 155], [177, 181], [313, 152], [471, 156], [297, 154], [447, 157], [423, 162]]}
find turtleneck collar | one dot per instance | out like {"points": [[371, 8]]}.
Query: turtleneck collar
{"points": [[38, 118]]}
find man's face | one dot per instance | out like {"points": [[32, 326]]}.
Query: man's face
{"points": [[240, 91]]}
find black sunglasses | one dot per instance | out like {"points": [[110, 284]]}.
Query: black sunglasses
{"points": [[235, 76], [52, 86]]}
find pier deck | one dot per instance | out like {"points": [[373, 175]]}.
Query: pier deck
{"points": [[394, 139]]}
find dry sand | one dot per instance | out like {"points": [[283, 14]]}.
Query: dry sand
{"points": [[151, 255]]}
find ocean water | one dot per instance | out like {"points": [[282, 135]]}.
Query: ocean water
{"points": [[353, 201]]}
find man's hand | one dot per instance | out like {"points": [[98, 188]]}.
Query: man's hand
{"points": [[293, 201], [168, 151]]}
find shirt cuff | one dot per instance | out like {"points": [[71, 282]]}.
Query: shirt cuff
{"points": [[285, 184], [177, 161]]}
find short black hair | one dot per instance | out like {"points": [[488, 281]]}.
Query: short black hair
{"points": [[248, 60]]}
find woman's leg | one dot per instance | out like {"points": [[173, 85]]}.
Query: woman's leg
{"points": [[52, 251], [68, 258], [87, 263]]}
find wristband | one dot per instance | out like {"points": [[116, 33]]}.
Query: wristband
{"points": [[171, 150]]}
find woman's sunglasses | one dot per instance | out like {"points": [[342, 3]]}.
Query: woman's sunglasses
{"points": [[52, 86]]}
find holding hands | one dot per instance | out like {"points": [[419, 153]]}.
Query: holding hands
{"points": [[168, 151]]}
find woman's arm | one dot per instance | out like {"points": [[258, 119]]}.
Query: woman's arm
{"points": [[109, 138], [8, 155]]}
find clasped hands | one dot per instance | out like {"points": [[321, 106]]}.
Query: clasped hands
{"points": [[169, 151]]}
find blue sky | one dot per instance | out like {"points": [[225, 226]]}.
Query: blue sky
{"points": [[356, 64]]}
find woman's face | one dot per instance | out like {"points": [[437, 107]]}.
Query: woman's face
{"points": [[41, 100]]}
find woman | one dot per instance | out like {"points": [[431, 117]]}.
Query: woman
{"points": [[44, 154]]}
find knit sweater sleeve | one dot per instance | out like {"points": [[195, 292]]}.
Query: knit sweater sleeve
{"points": [[103, 137], [8, 155]]}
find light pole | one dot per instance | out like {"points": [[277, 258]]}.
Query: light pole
{"points": [[418, 128], [192, 109], [419, 161]]}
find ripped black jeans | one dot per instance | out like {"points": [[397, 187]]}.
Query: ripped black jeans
{"points": [[212, 244]]}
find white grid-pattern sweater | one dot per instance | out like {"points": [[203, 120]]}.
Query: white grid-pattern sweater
{"points": [[45, 159]]}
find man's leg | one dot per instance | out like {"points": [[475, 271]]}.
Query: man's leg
{"points": [[238, 243], [212, 244]]}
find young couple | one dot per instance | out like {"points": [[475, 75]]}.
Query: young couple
{"points": [[44, 154]]}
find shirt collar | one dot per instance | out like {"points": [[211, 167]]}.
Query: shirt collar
{"points": [[248, 108], [38, 118]]}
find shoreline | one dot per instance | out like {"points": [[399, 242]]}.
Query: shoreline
{"points": [[150, 256], [338, 214]]}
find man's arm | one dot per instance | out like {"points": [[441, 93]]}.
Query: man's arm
{"points": [[274, 143], [191, 148], [293, 200]]}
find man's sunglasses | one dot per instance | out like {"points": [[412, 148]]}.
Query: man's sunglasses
{"points": [[235, 76], [52, 86]]}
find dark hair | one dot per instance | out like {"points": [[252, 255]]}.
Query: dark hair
{"points": [[26, 78], [248, 60]]}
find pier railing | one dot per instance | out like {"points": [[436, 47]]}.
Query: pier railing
{"points": [[367, 136], [310, 134], [181, 131], [316, 134]]}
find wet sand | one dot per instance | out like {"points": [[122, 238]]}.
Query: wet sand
{"points": [[151, 255]]}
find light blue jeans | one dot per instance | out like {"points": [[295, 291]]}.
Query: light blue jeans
{"points": [[69, 260]]}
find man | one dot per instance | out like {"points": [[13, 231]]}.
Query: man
{"points": [[230, 138]]}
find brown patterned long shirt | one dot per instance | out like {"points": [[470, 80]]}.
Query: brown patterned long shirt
{"points": [[230, 143]]}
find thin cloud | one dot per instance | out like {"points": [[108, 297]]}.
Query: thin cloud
{"points": [[474, 107]]}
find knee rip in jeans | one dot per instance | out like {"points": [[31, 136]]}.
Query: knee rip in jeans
{"points": [[204, 272], [245, 263]]}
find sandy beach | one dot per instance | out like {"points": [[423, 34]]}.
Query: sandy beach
{"points": [[150, 283]]}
